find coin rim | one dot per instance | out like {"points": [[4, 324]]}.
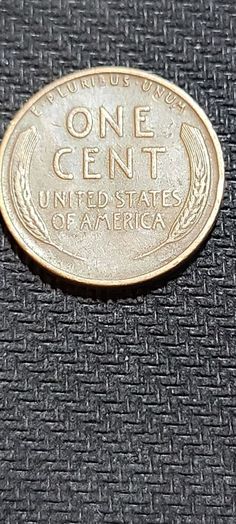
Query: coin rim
{"points": [[203, 233]]}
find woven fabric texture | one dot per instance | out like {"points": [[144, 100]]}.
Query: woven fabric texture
{"points": [[119, 406]]}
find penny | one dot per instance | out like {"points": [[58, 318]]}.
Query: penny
{"points": [[110, 176]]}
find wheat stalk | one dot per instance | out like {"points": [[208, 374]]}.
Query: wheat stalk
{"points": [[27, 212], [192, 209], [20, 186], [198, 191], [20, 189]]}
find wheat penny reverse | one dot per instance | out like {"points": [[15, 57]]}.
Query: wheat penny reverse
{"points": [[110, 176]]}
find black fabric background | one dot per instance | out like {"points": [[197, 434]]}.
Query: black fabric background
{"points": [[119, 407]]}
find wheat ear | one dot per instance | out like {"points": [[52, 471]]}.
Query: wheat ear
{"points": [[20, 188], [198, 190]]}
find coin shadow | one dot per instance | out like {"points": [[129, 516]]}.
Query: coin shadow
{"points": [[101, 293]]}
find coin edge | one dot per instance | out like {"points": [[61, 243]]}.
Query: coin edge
{"points": [[187, 252]]}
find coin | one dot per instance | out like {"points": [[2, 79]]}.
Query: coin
{"points": [[110, 176]]}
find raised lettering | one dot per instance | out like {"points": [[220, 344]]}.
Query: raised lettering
{"points": [[106, 117], [44, 199], [153, 152], [88, 159], [88, 122], [140, 118], [114, 159], [57, 161], [58, 221]]}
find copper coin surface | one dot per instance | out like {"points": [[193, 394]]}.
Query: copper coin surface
{"points": [[110, 176]]}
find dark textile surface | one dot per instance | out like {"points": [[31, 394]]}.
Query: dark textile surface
{"points": [[119, 407]]}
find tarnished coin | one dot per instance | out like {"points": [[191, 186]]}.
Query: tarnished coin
{"points": [[110, 176]]}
